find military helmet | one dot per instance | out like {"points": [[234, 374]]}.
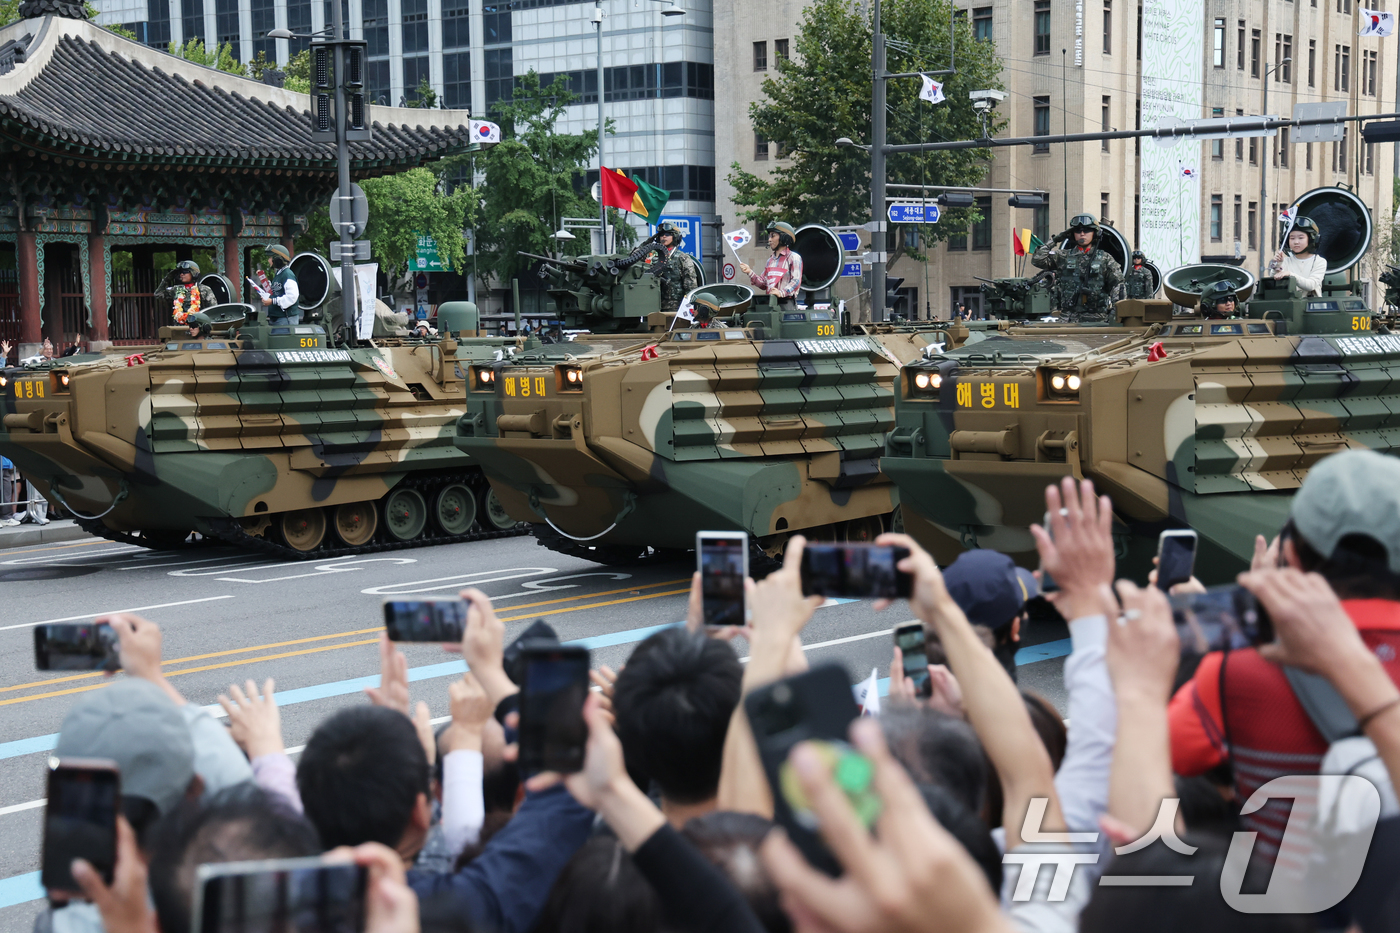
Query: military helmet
{"points": [[705, 306], [202, 321], [279, 251], [666, 228], [1310, 227], [787, 236], [187, 265], [1138, 256], [1083, 222], [1216, 293]]}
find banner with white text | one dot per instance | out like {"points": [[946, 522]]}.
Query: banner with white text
{"points": [[1173, 43]]}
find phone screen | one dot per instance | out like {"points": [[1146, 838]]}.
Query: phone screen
{"points": [[441, 620], [1176, 558], [62, 646], [909, 639], [552, 731], [1222, 616], [281, 896], [80, 820], [723, 567], [1047, 582], [859, 571]]}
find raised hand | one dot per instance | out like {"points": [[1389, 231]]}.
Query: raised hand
{"points": [[253, 719]]}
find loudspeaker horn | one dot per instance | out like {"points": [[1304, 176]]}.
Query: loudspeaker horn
{"points": [[822, 254]]}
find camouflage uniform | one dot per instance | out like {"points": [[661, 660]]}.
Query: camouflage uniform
{"points": [[1085, 279], [679, 277], [1139, 282]]}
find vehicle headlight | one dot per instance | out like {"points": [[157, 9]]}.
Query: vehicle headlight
{"points": [[924, 384], [1057, 382], [922, 380], [483, 378], [63, 378], [569, 378], [4, 381], [1073, 382], [1063, 384]]}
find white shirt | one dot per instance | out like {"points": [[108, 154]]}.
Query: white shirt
{"points": [[1307, 272]]}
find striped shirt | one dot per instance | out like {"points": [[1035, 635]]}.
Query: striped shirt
{"points": [[783, 271]]}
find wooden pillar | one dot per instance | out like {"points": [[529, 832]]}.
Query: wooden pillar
{"points": [[233, 263], [101, 302], [291, 245], [30, 314]]}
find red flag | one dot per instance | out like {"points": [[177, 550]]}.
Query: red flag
{"points": [[1021, 241], [618, 189]]}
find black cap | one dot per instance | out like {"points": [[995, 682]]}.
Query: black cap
{"points": [[988, 586]]}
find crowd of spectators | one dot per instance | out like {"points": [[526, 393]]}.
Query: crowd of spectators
{"points": [[984, 794]]}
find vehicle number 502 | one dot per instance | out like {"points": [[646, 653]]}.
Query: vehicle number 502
{"points": [[1362, 322]]}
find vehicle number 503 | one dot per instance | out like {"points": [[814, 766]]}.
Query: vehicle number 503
{"points": [[826, 330]]}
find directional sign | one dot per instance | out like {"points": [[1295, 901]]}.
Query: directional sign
{"points": [[689, 226], [913, 213], [359, 211], [850, 242], [850, 268]]}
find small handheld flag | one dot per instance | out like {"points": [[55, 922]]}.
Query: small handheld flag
{"points": [[737, 240], [933, 91], [1288, 218], [868, 694], [1376, 23]]}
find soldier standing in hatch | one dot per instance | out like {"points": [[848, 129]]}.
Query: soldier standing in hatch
{"points": [[679, 275], [1219, 301], [187, 295], [782, 274], [1085, 275], [1138, 278], [282, 302]]}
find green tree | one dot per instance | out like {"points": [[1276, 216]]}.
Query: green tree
{"points": [[220, 57], [823, 93], [9, 13], [298, 72], [532, 179], [424, 97]]}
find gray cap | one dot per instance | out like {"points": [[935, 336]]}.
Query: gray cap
{"points": [[1355, 492], [136, 725]]}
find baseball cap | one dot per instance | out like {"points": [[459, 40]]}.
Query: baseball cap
{"points": [[1355, 492], [136, 725], [989, 588]]}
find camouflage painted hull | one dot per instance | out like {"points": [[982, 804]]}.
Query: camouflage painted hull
{"points": [[305, 452], [652, 444], [1214, 436]]}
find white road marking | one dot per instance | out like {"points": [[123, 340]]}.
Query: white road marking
{"points": [[337, 565], [456, 581], [107, 612]]}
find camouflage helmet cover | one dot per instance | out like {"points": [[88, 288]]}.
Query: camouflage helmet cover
{"points": [[187, 265], [666, 228], [1085, 222], [705, 305], [202, 321], [1217, 293], [1138, 256]]}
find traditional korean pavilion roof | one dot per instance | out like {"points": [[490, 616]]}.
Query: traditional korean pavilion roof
{"points": [[71, 90]]}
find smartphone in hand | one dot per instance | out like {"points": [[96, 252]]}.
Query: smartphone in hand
{"points": [[431, 620], [80, 820], [62, 646], [1176, 558], [294, 895], [1222, 617], [814, 705], [554, 685], [856, 571], [1047, 582], [910, 640], [722, 557]]}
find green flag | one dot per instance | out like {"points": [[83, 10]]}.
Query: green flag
{"points": [[653, 200], [1035, 243]]}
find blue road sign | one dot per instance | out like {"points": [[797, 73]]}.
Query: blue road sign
{"points": [[850, 268], [913, 213], [850, 242], [689, 226]]}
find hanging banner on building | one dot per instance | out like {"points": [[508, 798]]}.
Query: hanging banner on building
{"points": [[1173, 40]]}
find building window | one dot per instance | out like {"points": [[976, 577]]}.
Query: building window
{"points": [[192, 18], [1108, 27], [226, 22], [1217, 208], [1042, 122], [456, 80], [1139, 33], [456, 25], [264, 19], [1104, 109], [1283, 147], [780, 50], [1370, 159], [1339, 153], [1252, 230], [1312, 63], [760, 56], [495, 24], [1254, 50], [377, 80], [982, 24], [1217, 146], [1219, 50], [760, 147], [1239, 51], [1239, 218], [1283, 59], [500, 81], [1239, 140], [1368, 74], [1308, 157], [298, 21], [1254, 150], [415, 28], [1040, 222], [982, 230], [415, 72], [1341, 68], [1343, 6], [376, 26], [1103, 207], [1042, 27]]}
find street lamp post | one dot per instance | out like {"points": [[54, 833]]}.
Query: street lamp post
{"points": [[1264, 173]]}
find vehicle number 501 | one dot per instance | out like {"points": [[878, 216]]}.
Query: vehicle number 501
{"points": [[311, 341]]}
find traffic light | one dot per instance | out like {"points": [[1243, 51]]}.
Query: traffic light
{"points": [[357, 127], [322, 92], [896, 301], [1028, 200], [956, 199], [323, 87]]}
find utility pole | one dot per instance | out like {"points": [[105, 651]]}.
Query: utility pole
{"points": [[1264, 175], [342, 165], [878, 220], [602, 208]]}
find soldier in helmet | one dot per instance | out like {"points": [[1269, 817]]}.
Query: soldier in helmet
{"points": [[706, 309], [282, 301], [200, 325], [678, 273], [187, 295], [1138, 278], [1219, 301], [1299, 258], [1085, 275], [782, 275]]}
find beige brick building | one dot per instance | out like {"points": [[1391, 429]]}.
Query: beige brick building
{"points": [[1072, 66]]}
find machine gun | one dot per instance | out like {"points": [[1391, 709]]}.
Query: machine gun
{"points": [[1017, 298], [603, 294]]}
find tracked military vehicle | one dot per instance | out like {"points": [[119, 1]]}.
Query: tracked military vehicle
{"points": [[618, 447], [1183, 421], [265, 437]]}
